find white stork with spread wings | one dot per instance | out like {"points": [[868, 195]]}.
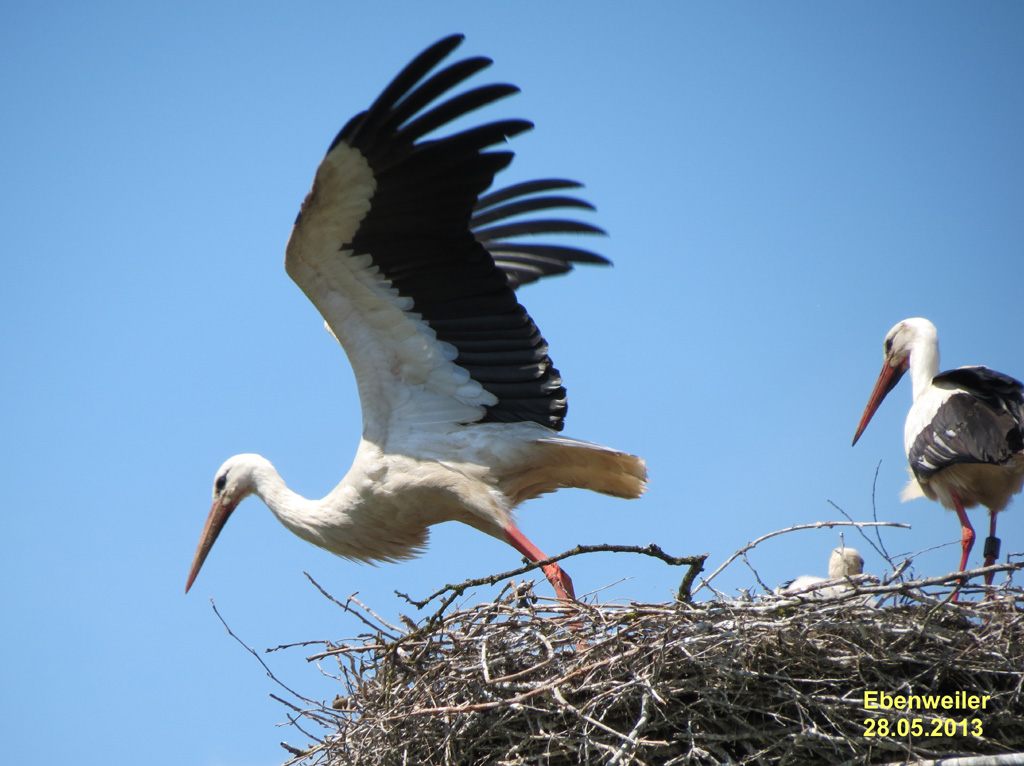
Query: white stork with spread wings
{"points": [[414, 273], [964, 435]]}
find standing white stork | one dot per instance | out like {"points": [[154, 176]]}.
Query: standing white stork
{"points": [[461, 404], [964, 435]]}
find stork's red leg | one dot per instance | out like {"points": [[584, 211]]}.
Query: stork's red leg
{"points": [[991, 546], [561, 582], [966, 531], [966, 534]]}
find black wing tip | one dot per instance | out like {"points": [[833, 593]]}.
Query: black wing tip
{"points": [[454, 40], [405, 112], [500, 222], [537, 226], [526, 188], [435, 53], [406, 81]]}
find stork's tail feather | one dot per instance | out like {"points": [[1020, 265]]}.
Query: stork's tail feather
{"points": [[561, 462]]}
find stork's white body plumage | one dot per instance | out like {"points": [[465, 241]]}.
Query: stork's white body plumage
{"points": [[964, 434], [461, 405]]}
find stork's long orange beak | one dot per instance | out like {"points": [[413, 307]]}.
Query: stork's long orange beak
{"points": [[887, 380], [219, 514]]}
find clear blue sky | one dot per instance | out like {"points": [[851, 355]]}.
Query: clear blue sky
{"points": [[781, 184]]}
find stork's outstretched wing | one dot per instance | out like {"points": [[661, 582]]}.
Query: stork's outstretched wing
{"points": [[387, 247]]}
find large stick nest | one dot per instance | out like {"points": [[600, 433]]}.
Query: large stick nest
{"points": [[767, 680]]}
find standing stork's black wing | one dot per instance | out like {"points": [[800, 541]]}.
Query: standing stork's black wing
{"points": [[982, 422]]}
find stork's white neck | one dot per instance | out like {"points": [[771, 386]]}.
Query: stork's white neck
{"points": [[924, 359], [269, 487], [293, 510]]}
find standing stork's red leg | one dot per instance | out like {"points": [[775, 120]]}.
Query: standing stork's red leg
{"points": [[561, 582], [966, 536], [966, 531]]}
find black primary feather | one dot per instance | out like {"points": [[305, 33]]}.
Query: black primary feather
{"points": [[524, 262]]}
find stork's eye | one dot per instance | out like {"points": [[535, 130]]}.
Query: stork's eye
{"points": [[888, 345], [222, 480]]}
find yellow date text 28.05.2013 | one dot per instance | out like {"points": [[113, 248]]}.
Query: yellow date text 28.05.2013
{"points": [[923, 727]]}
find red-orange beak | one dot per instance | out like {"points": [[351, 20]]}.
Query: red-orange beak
{"points": [[219, 513], [887, 380]]}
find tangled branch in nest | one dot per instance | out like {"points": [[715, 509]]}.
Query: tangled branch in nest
{"points": [[760, 681]]}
